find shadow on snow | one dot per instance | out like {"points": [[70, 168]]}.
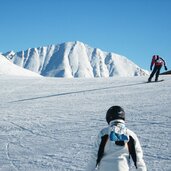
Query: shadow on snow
{"points": [[76, 92]]}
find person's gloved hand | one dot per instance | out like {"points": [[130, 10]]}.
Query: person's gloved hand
{"points": [[151, 67], [165, 67]]}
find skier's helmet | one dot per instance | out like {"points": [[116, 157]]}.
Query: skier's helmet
{"points": [[115, 112]]}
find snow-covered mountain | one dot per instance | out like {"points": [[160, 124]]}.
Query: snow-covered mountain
{"points": [[8, 68], [74, 59]]}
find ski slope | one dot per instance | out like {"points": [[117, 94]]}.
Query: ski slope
{"points": [[50, 124]]}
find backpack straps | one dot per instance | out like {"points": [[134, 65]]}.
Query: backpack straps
{"points": [[131, 149], [101, 148], [132, 152]]}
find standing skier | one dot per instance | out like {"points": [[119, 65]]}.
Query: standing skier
{"points": [[116, 145], [158, 62]]}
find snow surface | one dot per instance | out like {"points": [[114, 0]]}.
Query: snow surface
{"points": [[8, 68], [74, 59], [50, 124]]}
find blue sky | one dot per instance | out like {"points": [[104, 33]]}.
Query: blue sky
{"points": [[136, 29]]}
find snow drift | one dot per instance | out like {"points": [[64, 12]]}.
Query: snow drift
{"points": [[74, 59], [8, 68]]}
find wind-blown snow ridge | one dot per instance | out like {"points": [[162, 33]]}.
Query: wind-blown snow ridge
{"points": [[74, 59]]}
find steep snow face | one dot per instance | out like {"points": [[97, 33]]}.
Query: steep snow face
{"points": [[74, 59], [8, 68]]}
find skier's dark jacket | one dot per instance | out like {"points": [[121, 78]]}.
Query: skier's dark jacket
{"points": [[157, 61]]}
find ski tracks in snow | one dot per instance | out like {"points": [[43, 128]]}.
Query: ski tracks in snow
{"points": [[51, 125], [12, 162]]}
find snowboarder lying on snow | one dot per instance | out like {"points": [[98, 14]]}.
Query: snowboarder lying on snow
{"points": [[158, 62], [116, 145]]}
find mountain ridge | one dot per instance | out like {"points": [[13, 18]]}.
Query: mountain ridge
{"points": [[74, 59]]}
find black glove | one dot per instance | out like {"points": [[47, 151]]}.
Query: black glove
{"points": [[165, 67], [151, 67]]}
